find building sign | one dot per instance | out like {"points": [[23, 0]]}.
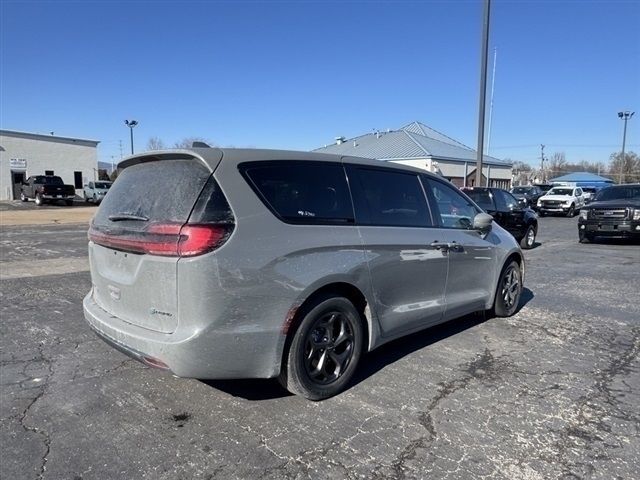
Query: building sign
{"points": [[18, 163]]}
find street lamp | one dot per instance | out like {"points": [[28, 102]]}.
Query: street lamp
{"points": [[131, 124], [624, 116]]}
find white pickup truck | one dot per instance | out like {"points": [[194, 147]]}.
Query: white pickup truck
{"points": [[95, 191], [565, 200]]}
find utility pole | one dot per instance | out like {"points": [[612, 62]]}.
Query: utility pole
{"points": [[493, 83], [624, 116], [542, 163], [483, 89]]}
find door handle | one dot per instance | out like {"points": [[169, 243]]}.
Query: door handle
{"points": [[446, 246], [439, 245]]}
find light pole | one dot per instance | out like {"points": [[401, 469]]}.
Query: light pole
{"points": [[624, 116], [484, 47], [131, 124]]}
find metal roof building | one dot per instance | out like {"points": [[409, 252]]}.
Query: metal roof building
{"points": [[583, 179], [420, 146]]}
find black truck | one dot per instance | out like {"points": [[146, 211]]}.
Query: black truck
{"points": [[46, 188], [613, 213], [512, 215]]}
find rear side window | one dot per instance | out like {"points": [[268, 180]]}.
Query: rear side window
{"points": [[161, 192], [388, 198], [302, 192]]}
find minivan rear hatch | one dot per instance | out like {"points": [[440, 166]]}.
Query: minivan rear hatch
{"points": [[139, 234]]}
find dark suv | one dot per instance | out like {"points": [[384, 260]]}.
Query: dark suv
{"points": [[528, 193], [520, 221], [613, 213]]}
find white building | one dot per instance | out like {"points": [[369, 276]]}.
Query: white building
{"points": [[24, 154], [421, 146]]}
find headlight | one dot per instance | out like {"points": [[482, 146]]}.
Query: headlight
{"points": [[584, 214], [539, 203], [636, 214], [568, 202]]}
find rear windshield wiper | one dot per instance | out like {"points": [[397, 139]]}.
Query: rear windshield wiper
{"points": [[118, 217]]}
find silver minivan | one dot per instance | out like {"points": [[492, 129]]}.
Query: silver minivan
{"points": [[234, 263]]}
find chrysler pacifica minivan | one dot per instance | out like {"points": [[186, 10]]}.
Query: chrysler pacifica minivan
{"points": [[232, 263]]}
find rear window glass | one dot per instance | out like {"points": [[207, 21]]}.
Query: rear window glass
{"points": [[160, 191], [103, 185], [302, 192], [482, 198], [388, 198], [619, 193]]}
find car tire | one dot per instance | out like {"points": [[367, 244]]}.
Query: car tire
{"points": [[584, 237], [541, 213], [529, 238], [509, 290], [324, 350], [86, 199], [23, 197], [572, 211], [39, 200], [69, 202]]}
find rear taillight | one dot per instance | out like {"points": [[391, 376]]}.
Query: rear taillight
{"points": [[168, 240]]}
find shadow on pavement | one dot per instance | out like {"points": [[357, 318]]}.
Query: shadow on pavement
{"points": [[371, 363]]}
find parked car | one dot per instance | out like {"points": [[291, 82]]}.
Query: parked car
{"points": [[47, 189], [528, 193], [565, 200], [232, 263], [545, 187], [520, 221], [95, 191], [614, 213]]}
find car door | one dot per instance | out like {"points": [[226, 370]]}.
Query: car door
{"points": [[511, 213], [472, 255], [408, 271]]}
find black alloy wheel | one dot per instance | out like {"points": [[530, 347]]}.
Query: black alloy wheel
{"points": [[572, 211], [325, 349], [509, 290]]}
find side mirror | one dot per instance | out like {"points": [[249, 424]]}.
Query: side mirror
{"points": [[482, 222]]}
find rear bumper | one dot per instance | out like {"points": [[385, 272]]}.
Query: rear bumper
{"points": [[202, 353], [58, 197], [621, 229]]}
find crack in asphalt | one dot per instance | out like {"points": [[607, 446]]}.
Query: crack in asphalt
{"points": [[480, 368], [590, 425], [42, 433]]}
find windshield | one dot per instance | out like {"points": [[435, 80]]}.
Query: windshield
{"points": [[521, 190], [104, 185], [619, 193], [560, 191]]}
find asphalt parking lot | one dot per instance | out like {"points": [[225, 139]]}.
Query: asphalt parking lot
{"points": [[553, 392]]}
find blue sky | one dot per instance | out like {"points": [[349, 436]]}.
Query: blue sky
{"points": [[296, 74]]}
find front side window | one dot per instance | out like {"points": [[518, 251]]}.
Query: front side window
{"points": [[385, 197], [453, 209], [302, 192]]}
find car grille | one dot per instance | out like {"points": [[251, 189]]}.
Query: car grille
{"points": [[552, 203], [610, 213]]}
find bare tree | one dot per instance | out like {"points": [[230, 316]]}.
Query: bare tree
{"points": [[557, 163], [155, 143], [188, 142], [627, 169]]}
